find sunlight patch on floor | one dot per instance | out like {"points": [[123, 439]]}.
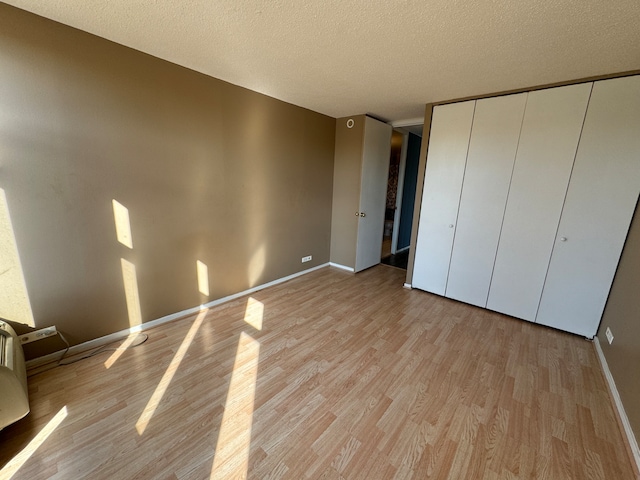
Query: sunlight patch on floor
{"points": [[231, 459], [121, 349], [254, 313], [19, 460], [160, 390]]}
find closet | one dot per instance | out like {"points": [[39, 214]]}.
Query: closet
{"points": [[492, 149], [448, 144], [528, 198], [546, 151]]}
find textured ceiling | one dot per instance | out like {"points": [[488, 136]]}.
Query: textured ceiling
{"points": [[387, 58]]}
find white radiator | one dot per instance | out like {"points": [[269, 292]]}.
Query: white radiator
{"points": [[14, 400]]}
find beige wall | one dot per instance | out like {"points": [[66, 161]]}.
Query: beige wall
{"points": [[346, 190], [622, 315], [208, 171]]}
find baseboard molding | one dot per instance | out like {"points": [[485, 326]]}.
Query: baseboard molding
{"points": [[342, 267], [407, 286], [38, 362], [400, 250], [622, 414]]}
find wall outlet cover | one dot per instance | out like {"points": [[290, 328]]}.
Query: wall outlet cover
{"points": [[609, 335], [38, 335], [306, 259]]}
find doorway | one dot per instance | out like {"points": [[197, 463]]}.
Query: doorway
{"points": [[401, 192], [397, 143]]}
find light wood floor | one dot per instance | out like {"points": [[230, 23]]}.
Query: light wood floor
{"points": [[349, 377], [386, 247]]}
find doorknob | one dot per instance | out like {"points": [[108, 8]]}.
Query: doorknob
{"points": [[357, 213], [362, 214], [563, 239]]}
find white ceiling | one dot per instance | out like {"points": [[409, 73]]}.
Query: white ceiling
{"points": [[387, 58]]}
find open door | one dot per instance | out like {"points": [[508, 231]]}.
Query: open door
{"points": [[405, 154], [373, 191]]}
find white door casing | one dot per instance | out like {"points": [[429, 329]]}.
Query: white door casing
{"points": [[401, 174]]}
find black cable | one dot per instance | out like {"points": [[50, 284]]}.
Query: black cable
{"points": [[97, 351]]}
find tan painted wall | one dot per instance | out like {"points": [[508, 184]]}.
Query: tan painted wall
{"points": [[208, 171], [346, 190], [622, 315]]}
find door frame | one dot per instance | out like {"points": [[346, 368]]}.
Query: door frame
{"points": [[399, 190]]}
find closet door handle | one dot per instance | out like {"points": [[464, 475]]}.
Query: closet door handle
{"points": [[563, 239], [362, 214]]}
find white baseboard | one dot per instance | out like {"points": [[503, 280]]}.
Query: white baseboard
{"points": [[400, 250], [618, 403], [114, 337], [342, 267], [407, 286]]}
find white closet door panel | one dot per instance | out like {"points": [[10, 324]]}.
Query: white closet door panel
{"points": [[448, 145], [492, 152], [600, 203], [549, 138]]}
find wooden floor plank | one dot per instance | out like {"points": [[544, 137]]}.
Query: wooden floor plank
{"points": [[356, 377]]}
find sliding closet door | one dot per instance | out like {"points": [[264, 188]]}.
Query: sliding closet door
{"points": [[550, 133], [448, 145], [600, 202], [492, 152]]}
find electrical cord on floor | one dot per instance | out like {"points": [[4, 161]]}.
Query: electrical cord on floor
{"points": [[102, 349]]}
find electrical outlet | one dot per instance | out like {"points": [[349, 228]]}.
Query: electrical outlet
{"points": [[306, 259], [38, 335], [609, 335]]}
